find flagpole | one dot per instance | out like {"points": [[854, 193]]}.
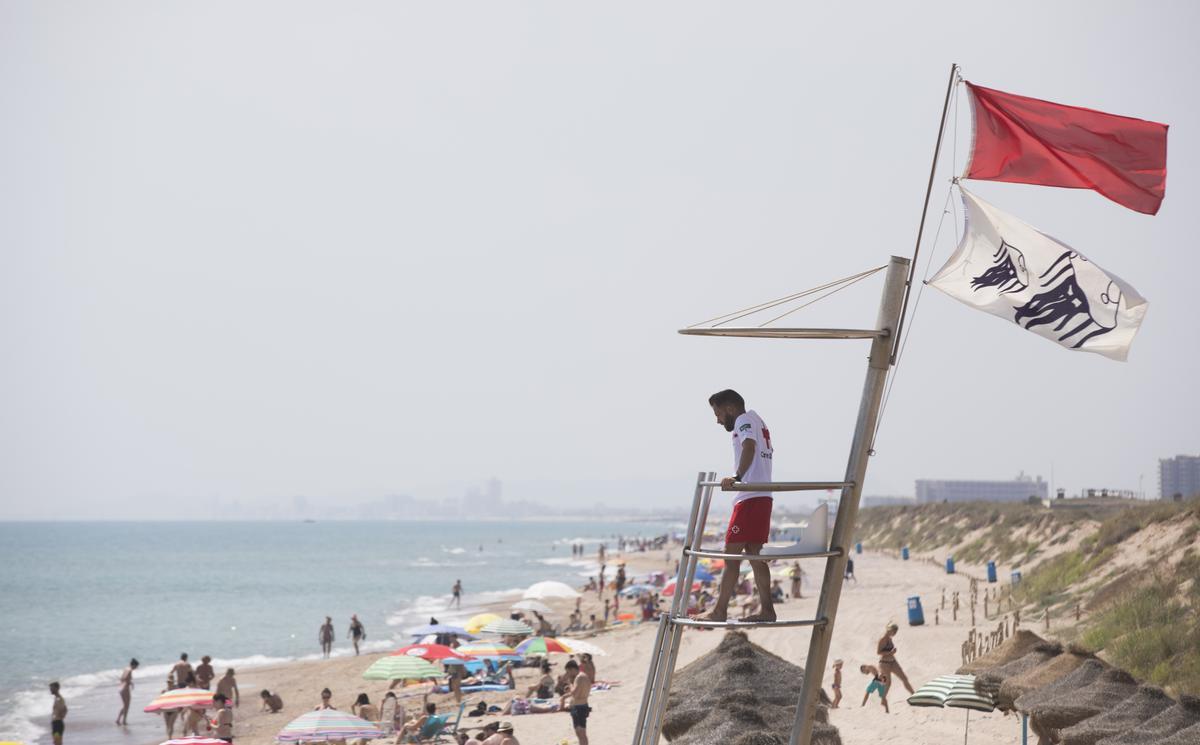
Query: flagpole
{"points": [[912, 268]]}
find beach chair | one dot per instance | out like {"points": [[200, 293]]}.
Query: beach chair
{"points": [[446, 728]]}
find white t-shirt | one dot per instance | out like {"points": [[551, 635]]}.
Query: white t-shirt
{"points": [[750, 426]]}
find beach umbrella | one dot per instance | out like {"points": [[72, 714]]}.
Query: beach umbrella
{"points": [[579, 646], [534, 605], [669, 590], [632, 590], [540, 645], [189, 741], [430, 652], [324, 725], [704, 575], [441, 628], [182, 698], [507, 626], [544, 590], [490, 650], [478, 622], [953, 690], [401, 667]]}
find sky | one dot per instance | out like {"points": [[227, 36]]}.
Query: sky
{"points": [[255, 251]]}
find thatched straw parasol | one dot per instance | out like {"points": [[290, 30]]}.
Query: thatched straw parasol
{"points": [[1188, 736], [1107, 690], [1181, 718], [1147, 702], [739, 694], [989, 681], [1042, 675], [1079, 678], [1016, 646]]}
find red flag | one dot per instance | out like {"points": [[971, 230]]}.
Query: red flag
{"points": [[1029, 141]]}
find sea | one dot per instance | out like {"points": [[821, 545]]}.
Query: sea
{"points": [[78, 600]]}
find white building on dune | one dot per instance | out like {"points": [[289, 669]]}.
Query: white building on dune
{"points": [[1019, 489]]}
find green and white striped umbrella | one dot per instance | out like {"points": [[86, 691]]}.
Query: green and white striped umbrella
{"points": [[952, 690], [507, 626], [401, 667]]}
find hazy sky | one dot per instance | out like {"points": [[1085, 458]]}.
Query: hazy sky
{"points": [[256, 250]]}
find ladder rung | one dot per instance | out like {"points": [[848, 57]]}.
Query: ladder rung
{"points": [[790, 333], [765, 557], [734, 623], [784, 485]]}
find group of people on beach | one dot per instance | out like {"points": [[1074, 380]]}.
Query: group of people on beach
{"points": [[881, 674], [326, 635]]}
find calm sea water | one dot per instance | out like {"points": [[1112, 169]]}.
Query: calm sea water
{"points": [[77, 600]]}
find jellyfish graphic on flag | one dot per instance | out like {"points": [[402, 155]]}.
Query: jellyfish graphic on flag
{"points": [[1010, 269]]}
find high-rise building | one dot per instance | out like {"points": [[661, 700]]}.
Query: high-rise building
{"points": [[1179, 475], [1019, 489]]}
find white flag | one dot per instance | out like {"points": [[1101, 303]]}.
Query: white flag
{"points": [[1010, 269]]}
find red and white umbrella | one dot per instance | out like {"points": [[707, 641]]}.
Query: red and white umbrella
{"points": [[182, 698], [431, 652], [669, 590]]}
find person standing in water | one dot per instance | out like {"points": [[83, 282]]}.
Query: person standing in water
{"points": [[126, 689], [750, 522], [456, 601], [887, 658], [357, 633], [181, 671], [325, 636], [58, 715], [205, 672]]}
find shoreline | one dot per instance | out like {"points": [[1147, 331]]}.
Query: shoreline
{"points": [[91, 695]]}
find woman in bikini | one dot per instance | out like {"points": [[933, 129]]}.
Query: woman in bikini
{"points": [[887, 658]]}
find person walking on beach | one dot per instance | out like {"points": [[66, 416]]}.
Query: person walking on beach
{"points": [[357, 633], [456, 601], [620, 579], [887, 657], [126, 689], [181, 670], [227, 687], [850, 571], [797, 580], [577, 697], [750, 522], [205, 672], [58, 714], [879, 682], [325, 636]]}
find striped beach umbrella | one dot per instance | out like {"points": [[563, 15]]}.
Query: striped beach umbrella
{"points": [[476, 623], [190, 741], [540, 645], [953, 690], [507, 627], [669, 590], [182, 698], [490, 650], [324, 725], [401, 667], [431, 652], [534, 605], [579, 646]]}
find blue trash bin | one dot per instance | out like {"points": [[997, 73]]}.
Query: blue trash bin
{"points": [[916, 616], [904, 553], [949, 565], [858, 547], [991, 571], [1016, 577]]}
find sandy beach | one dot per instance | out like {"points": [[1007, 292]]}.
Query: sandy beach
{"points": [[879, 596]]}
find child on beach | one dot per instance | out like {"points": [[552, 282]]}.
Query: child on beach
{"points": [[837, 683], [878, 682], [750, 522]]}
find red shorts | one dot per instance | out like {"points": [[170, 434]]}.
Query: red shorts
{"points": [[750, 521]]}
